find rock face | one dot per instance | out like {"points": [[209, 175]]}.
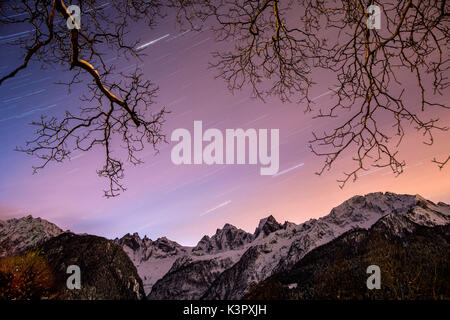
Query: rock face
{"points": [[19, 235], [231, 261], [171, 265], [106, 270], [282, 249], [189, 278], [195, 270], [153, 259], [362, 212], [401, 248], [267, 226], [227, 238]]}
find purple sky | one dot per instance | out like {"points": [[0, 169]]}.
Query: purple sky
{"points": [[185, 202]]}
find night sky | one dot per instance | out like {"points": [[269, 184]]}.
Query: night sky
{"points": [[185, 202]]}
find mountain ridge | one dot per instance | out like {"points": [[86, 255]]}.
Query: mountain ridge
{"points": [[228, 263], [19, 234], [401, 248]]}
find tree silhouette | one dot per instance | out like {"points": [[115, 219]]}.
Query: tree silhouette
{"points": [[112, 107], [409, 274], [278, 44], [276, 47]]}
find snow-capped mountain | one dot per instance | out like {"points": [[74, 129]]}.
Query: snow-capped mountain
{"points": [[225, 265], [229, 263], [266, 226], [18, 235], [363, 212], [227, 238], [399, 247], [281, 249], [153, 259]]}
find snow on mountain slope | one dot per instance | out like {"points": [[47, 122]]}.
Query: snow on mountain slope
{"points": [[399, 246], [191, 275], [175, 267], [18, 235], [266, 226], [281, 249], [226, 264], [152, 259], [155, 259], [363, 212], [227, 238]]}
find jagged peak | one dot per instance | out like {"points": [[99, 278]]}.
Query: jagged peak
{"points": [[227, 226], [166, 245], [266, 226], [128, 235], [205, 237], [268, 219], [165, 240], [288, 225], [19, 234], [28, 221], [24, 218], [135, 236], [229, 237]]}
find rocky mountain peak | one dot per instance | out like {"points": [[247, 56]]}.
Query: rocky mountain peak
{"points": [[151, 258], [227, 226], [394, 224], [133, 241], [145, 247], [227, 238], [267, 226], [18, 235], [166, 245], [363, 211]]}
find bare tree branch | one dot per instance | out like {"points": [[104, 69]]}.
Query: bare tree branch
{"points": [[274, 47], [441, 164], [276, 54], [115, 110]]}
